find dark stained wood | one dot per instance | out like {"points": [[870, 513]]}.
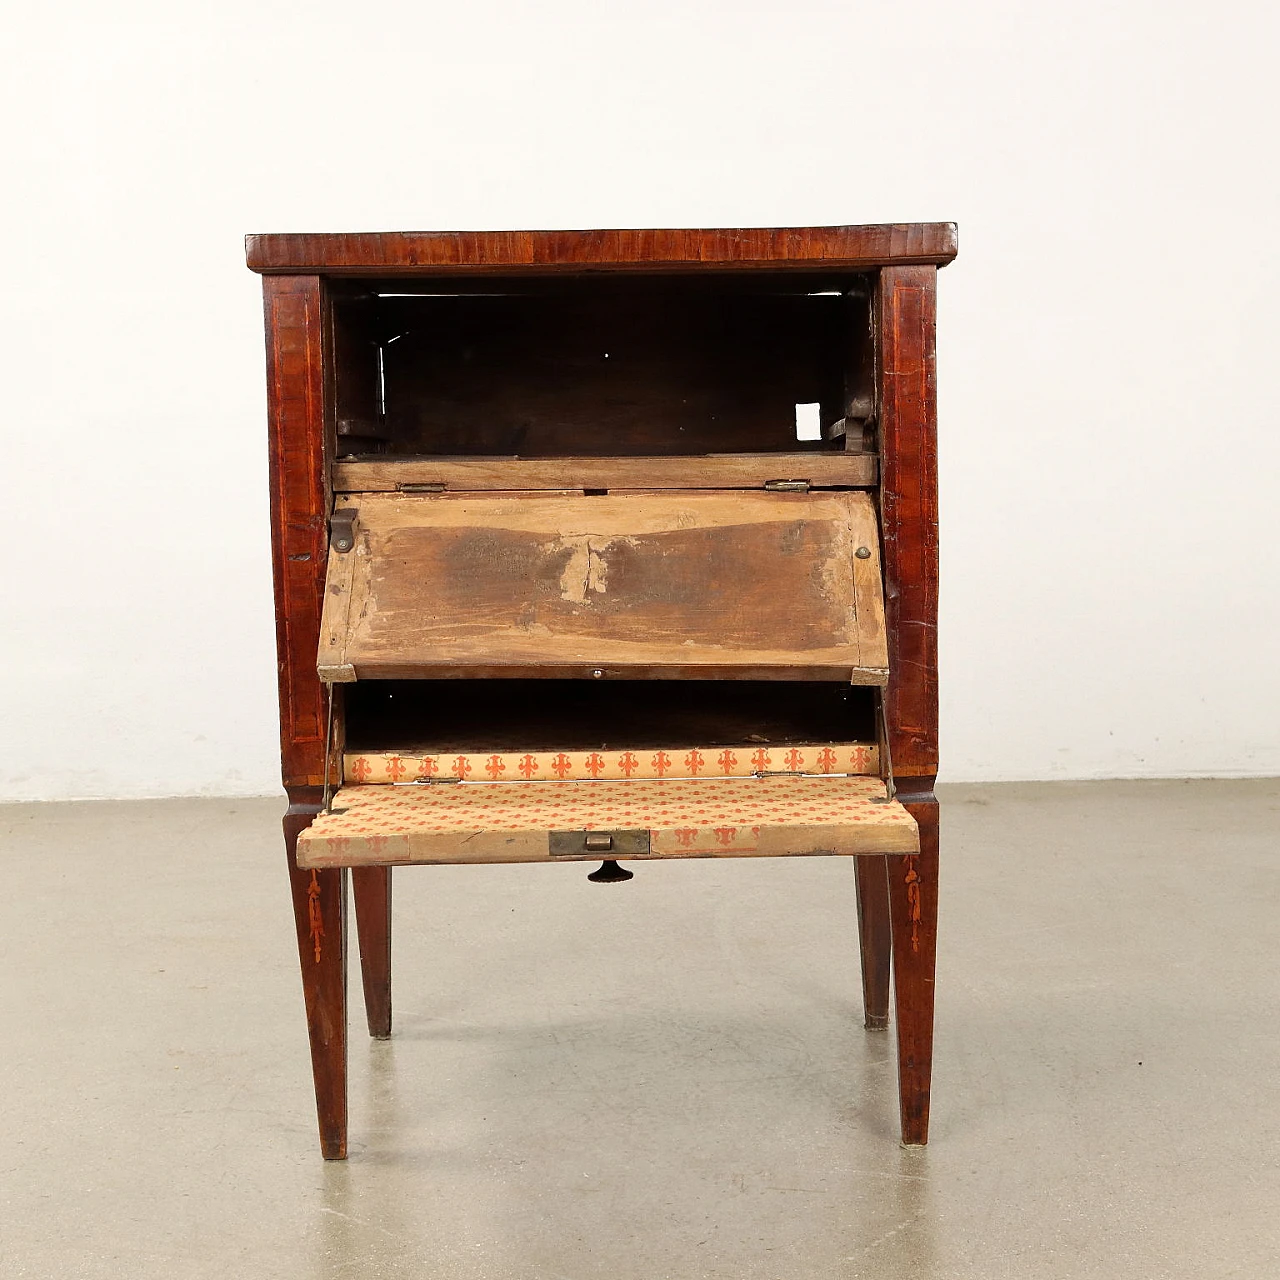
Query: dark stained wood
{"points": [[874, 940], [913, 898], [453, 716], [320, 917], [851, 247], [372, 892], [823, 470], [615, 370], [905, 320], [299, 509]]}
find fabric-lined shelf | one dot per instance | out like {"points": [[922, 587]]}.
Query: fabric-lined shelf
{"points": [[684, 818]]}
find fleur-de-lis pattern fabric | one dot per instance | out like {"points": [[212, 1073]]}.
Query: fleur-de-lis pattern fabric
{"points": [[636, 762], [509, 821]]}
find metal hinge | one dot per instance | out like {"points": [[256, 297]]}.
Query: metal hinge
{"points": [[425, 782], [787, 486], [433, 487], [799, 773], [342, 528]]}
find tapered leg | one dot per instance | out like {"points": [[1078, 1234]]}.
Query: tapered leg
{"points": [[372, 889], [874, 940], [320, 914], [913, 899]]}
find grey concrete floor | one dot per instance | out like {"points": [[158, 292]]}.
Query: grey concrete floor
{"points": [[666, 1078]]}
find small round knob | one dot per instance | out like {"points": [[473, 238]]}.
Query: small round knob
{"points": [[597, 674]]}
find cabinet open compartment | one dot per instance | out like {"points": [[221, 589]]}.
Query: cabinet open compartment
{"points": [[602, 367], [407, 731]]}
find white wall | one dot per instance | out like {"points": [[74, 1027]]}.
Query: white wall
{"points": [[1108, 336]]}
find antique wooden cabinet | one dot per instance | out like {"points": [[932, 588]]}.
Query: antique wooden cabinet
{"points": [[605, 545]]}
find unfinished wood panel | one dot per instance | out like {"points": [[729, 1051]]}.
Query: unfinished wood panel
{"points": [[510, 822], [479, 252], [769, 585], [335, 622], [823, 470]]}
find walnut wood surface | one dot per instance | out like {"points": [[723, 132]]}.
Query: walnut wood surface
{"points": [[874, 940], [905, 320], [299, 510], [713, 471], [913, 897], [320, 917], [371, 888], [651, 582], [853, 247]]}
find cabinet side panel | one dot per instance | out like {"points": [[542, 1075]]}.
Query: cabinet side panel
{"points": [[905, 324], [295, 395]]}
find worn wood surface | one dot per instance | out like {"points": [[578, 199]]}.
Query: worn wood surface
{"points": [[371, 888], [905, 322], [299, 509], [654, 583], [320, 917], [686, 818], [913, 899], [822, 469], [874, 940], [423, 252]]}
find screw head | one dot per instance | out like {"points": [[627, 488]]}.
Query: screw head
{"points": [[343, 544], [863, 553]]}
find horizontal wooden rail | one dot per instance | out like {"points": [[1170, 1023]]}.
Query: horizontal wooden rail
{"points": [[824, 470]]}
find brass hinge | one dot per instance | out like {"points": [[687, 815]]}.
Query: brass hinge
{"points": [[787, 486]]}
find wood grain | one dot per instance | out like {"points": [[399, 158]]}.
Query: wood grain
{"points": [[299, 508], [477, 252], [874, 940], [905, 322], [320, 918], [913, 897], [371, 888], [650, 583], [709, 471]]}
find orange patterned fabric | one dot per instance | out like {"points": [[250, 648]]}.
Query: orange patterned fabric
{"points": [[621, 764], [509, 822]]}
